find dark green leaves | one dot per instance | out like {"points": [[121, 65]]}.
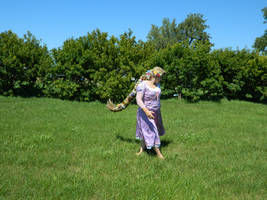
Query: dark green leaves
{"points": [[191, 29]]}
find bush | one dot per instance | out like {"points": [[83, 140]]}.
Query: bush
{"points": [[99, 67], [244, 74], [23, 63], [191, 71], [94, 67]]}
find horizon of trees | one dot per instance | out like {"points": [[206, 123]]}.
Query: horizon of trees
{"points": [[98, 67]]}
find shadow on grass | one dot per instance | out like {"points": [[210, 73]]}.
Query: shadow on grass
{"points": [[127, 139], [151, 152]]}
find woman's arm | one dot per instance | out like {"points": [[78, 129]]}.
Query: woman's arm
{"points": [[140, 103]]}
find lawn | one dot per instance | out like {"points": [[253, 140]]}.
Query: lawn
{"points": [[55, 149]]}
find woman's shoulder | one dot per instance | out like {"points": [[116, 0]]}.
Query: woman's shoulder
{"points": [[141, 86], [144, 83]]}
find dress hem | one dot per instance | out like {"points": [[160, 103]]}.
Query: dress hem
{"points": [[148, 147]]}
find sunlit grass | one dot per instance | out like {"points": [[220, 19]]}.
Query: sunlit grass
{"points": [[54, 149]]}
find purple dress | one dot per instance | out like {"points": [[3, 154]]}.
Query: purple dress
{"points": [[147, 129]]}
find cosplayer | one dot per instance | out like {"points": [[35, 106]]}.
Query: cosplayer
{"points": [[149, 124]]}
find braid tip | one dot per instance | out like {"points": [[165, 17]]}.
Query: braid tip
{"points": [[114, 108]]}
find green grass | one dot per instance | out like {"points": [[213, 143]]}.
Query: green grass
{"points": [[54, 149]]}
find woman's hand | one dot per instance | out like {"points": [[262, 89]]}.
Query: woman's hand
{"points": [[149, 114]]}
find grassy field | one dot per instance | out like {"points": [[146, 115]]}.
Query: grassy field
{"points": [[54, 149]]}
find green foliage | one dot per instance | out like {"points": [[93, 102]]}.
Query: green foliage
{"points": [[244, 74], [261, 42], [97, 67], [131, 55], [23, 63], [191, 29], [255, 78], [264, 10], [76, 67], [164, 35], [191, 71]]}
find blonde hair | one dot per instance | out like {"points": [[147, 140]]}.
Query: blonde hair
{"points": [[157, 70]]}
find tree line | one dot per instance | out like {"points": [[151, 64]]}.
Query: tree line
{"points": [[97, 66]]}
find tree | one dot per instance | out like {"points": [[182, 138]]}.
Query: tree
{"points": [[97, 67], [264, 10], [261, 42], [23, 64], [192, 28]]}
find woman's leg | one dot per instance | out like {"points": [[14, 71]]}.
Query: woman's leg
{"points": [[159, 153], [140, 151], [142, 146]]}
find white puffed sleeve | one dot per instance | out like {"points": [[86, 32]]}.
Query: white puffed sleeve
{"points": [[139, 95]]}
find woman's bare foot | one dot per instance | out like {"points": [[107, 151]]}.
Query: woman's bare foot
{"points": [[160, 156], [140, 152]]}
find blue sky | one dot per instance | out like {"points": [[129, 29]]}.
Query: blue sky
{"points": [[232, 23]]}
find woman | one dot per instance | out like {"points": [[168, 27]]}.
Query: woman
{"points": [[149, 124]]}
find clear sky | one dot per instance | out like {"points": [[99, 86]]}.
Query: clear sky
{"points": [[232, 23]]}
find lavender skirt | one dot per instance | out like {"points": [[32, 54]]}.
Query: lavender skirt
{"points": [[149, 130]]}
